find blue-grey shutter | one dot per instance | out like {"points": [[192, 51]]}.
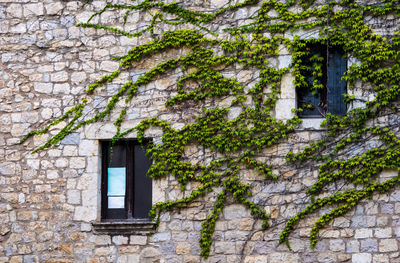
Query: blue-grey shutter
{"points": [[337, 65]]}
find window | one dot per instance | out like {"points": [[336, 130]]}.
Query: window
{"points": [[126, 190], [322, 88]]}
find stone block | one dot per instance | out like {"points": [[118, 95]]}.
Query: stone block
{"points": [[283, 257], [74, 197], [235, 211], [70, 150], [72, 138], [138, 240], [77, 162], [52, 174], [109, 66], [343, 257], [14, 10], [363, 221], [27, 215], [33, 9], [191, 259], [150, 252], [18, 29], [128, 249], [54, 8], [337, 245], [383, 232], [85, 227], [224, 247], [61, 162], [15, 259], [352, 246], [19, 129], [78, 77], [288, 90], [361, 258], [86, 214], [369, 245], [102, 240], [45, 88], [256, 259], [158, 191], [388, 245], [120, 240], [104, 251], [93, 164], [285, 107], [363, 233], [45, 236], [380, 258], [63, 88], [7, 168], [284, 61], [159, 237], [326, 257], [88, 148], [61, 76], [88, 181], [89, 197], [341, 222]]}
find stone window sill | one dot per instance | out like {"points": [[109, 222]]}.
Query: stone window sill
{"points": [[311, 124], [123, 227]]}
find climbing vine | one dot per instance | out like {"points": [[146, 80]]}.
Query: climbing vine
{"points": [[240, 140]]}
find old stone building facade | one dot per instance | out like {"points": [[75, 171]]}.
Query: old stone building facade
{"points": [[50, 200]]}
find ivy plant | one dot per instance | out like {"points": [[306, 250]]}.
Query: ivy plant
{"points": [[240, 140]]}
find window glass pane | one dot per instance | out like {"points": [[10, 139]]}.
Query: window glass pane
{"points": [[116, 202], [118, 156], [116, 181], [315, 55]]}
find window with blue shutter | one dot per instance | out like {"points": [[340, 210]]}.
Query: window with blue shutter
{"points": [[126, 190], [322, 89]]}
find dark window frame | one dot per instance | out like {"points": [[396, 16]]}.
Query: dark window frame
{"points": [[138, 192], [330, 98]]}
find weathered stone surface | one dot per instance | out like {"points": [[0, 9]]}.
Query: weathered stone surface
{"points": [[72, 138], [86, 214], [49, 199], [7, 168], [327, 257], [352, 246], [53, 8], [363, 233], [109, 66], [138, 240], [120, 240], [235, 211], [379, 258], [33, 9], [383, 232], [74, 197], [283, 257], [337, 245], [362, 258], [161, 237], [102, 240], [388, 245], [363, 221], [369, 245]]}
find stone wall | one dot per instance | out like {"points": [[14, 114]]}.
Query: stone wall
{"points": [[49, 199]]}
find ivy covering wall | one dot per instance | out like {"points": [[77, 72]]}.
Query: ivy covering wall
{"points": [[238, 141]]}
